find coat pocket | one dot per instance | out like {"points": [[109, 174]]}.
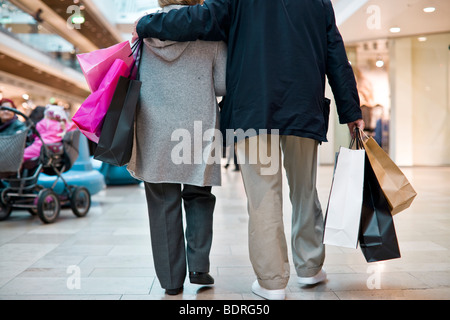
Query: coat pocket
{"points": [[326, 113]]}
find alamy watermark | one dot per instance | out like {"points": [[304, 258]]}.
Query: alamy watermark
{"points": [[373, 22], [74, 279], [205, 147], [374, 281], [76, 19]]}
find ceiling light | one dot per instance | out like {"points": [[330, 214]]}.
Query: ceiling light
{"points": [[422, 39], [79, 19], [429, 9], [395, 30], [379, 63]]}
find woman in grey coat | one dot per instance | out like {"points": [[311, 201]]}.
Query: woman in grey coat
{"points": [[175, 151]]}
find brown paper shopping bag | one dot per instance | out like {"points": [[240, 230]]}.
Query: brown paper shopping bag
{"points": [[396, 187]]}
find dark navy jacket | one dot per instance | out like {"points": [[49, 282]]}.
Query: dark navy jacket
{"points": [[279, 55]]}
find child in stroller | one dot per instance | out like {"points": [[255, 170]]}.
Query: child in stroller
{"points": [[51, 128], [53, 152]]}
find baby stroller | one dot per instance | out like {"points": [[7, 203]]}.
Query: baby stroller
{"points": [[19, 179]]}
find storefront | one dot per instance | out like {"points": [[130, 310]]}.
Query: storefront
{"points": [[420, 82], [400, 53], [406, 83]]}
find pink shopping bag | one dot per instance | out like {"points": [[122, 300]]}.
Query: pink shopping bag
{"points": [[97, 63], [90, 116]]}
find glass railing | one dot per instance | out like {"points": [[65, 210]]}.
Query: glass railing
{"points": [[25, 28]]}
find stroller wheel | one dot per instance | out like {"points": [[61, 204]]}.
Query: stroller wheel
{"points": [[37, 189], [48, 206], [80, 201], [5, 211]]}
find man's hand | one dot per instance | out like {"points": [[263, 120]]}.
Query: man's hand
{"points": [[352, 125]]}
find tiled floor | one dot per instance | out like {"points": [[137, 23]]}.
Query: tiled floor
{"points": [[107, 255]]}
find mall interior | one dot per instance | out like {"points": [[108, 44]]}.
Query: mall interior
{"points": [[400, 54]]}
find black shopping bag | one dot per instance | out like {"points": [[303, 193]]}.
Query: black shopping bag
{"points": [[116, 139], [377, 236]]}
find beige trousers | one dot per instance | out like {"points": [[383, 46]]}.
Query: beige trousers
{"points": [[263, 186]]}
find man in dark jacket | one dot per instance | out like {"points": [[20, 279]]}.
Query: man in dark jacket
{"points": [[279, 55]]}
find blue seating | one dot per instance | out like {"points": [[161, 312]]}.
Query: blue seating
{"points": [[114, 175]]}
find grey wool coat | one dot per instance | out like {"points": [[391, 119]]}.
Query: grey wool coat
{"points": [[176, 122]]}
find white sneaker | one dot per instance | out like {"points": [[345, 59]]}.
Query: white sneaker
{"points": [[279, 294], [321, 276]]}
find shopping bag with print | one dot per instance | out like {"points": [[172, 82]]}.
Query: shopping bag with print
{"points": [[90, 116], [396, 187], [116, 139], [97, 63], [343, 213], [377, 238]]}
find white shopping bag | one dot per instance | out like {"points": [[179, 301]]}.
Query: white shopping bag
{"points": [[345, 202]]}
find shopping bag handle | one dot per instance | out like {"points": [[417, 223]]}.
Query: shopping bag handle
{"points": [[136, 49], [135, 45], [363, 134], [357, 139]]}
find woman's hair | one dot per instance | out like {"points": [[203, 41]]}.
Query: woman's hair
{"points": [[164, 3], [4, 101]]}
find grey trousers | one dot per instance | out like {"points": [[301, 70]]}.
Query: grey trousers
{"points": [[164, 201], [263, 186]]}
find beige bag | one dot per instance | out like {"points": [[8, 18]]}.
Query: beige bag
{"points": [[396, 187]]}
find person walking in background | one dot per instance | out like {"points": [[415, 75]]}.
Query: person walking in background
{"points": [[279, 55], [180, 82], [232, 154]]}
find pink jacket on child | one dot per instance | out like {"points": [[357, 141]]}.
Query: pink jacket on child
{"points": [[51, 131]]}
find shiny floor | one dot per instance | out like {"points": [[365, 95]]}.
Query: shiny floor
{"points": [[107, 254]]}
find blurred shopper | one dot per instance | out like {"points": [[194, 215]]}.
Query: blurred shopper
{"points": [[279, 54], [9, 122], [37, 114], [180, 82]]}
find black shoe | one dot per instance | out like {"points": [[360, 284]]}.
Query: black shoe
{"points": [[201, 278], [174, 292]]}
